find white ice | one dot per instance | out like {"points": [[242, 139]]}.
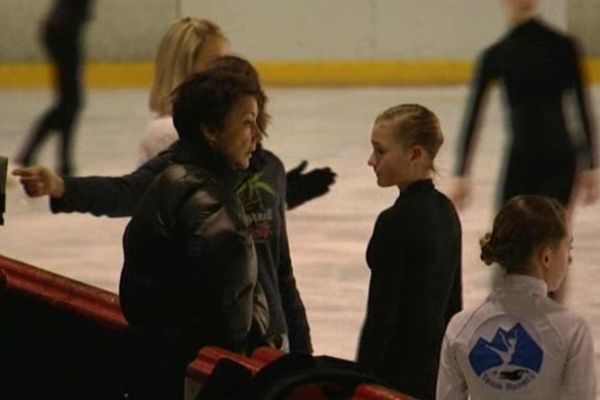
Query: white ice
{"points": [[327, 127]]}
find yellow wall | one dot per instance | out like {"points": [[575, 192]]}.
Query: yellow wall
{"points": [[351, 73]]}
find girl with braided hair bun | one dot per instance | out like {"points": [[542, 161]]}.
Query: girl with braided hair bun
{"points": [[520, 344]]}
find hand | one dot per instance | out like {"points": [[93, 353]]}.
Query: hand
{"points": [[302, 187], [40, 181], [460, 192], [586, 188]]}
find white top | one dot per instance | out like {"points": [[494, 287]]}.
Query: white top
{"points": [[518, 344], [160, 134]]}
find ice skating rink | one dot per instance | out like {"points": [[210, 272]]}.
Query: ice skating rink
{"points": [[328, 236]]}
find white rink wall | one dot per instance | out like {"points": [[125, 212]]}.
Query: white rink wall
{"points": [[293, 30]]}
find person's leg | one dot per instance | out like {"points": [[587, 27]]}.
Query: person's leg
{"points": [[64, 52], [68, 60], [38, 135]]}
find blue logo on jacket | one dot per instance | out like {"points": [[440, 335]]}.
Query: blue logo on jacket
{"points": [[510, 361]]}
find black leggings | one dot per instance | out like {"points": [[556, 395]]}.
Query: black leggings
{"points": [[63, 46]]}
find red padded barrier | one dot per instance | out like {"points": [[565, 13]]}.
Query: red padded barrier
{"points": [[98, 305], [376, 392], [101, 308], [202, 367]]}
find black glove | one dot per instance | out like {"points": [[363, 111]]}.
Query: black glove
{"points": [[302, 187]]}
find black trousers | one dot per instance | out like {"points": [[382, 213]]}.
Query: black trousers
{"points": [[63, 46]]}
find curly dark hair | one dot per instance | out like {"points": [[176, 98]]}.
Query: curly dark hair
{"points": [[240, 65], [205, 99]]}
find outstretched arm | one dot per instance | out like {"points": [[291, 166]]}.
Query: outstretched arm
{"points": [[98, 195]]}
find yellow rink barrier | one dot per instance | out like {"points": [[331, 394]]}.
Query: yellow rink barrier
{"points": [[116, 75]]}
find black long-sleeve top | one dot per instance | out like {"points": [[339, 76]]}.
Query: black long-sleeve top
{"points": [[537, 67], [415, 288]]}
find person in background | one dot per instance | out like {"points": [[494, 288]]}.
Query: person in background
{"points": [[414, 255], [539, 70], [520, 344], [61, 31], [188, 46]]}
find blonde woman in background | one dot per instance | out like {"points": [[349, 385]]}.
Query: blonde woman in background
{"points": [[188, 46]]}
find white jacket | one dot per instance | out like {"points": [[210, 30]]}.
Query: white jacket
{"points": [[518, 344], [160, 134]]}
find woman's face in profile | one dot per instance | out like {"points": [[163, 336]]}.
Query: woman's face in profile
{"points": [[390, 159], [240, 134]]}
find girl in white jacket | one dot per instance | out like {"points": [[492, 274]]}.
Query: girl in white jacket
{"points": [[520, 344]]}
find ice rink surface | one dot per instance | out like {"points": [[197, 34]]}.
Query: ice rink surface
{"points": [[328, 236]]}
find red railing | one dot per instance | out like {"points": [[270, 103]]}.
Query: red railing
{"points": [[97, 305], [26, 291]]}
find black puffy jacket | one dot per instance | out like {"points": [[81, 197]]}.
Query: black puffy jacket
{"points": [[189, 259]]}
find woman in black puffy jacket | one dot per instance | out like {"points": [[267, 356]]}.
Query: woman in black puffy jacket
{"points": [[189, 274]]}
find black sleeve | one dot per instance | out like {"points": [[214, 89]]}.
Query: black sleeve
{"points": [[484, 75], [109, 196], [293, 307], [588, 153]]}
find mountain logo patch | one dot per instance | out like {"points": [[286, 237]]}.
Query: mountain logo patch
{"points": [[509, 361]]}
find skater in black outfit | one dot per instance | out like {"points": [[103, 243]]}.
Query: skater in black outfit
{"points": [[61, 34], [538, 68], [414, 256]]}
